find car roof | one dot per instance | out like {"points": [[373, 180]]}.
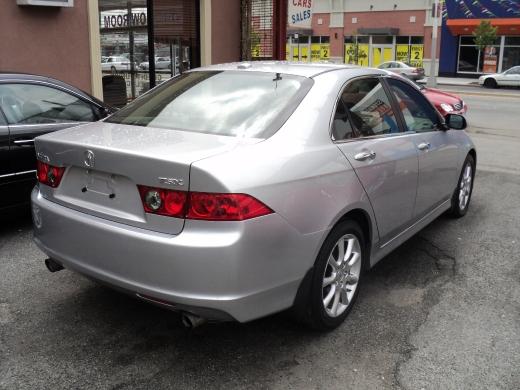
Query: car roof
{"points": [[293, 68], [21, 77]]}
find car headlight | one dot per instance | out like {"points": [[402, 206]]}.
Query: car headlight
{"points": [[446, 107]]}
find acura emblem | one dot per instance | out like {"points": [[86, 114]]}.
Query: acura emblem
{"points": [[89, 158]]}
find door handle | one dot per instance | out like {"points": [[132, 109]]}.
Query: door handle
{"points": [[23, 141], [424, 146], [365, 156]]}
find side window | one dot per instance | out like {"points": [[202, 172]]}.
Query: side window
{"points": [[368, 109], [38, 104], [418, 113]]}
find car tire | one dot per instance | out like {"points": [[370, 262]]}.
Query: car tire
{"points": [[490, 83], [332, 289], [462, 194]]}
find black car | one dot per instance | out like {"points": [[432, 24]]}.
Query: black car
{"points": [[31, 106]]}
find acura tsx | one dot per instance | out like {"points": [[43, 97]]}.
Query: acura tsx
{"points": [[235, 191]]}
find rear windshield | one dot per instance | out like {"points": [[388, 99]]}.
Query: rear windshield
{"points": [[231, 103]]}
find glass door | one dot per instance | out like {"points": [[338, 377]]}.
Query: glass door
{"points": [[382, 53]]}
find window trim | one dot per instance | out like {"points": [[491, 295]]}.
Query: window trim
{"points": [[57, 87], [392, 103]]}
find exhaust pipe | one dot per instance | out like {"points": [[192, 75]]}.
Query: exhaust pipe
{"points": [[53, 266], [191, 320]]}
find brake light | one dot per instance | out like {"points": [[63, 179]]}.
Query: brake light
{"points": [[163, 202], [48, 174], [201, 205], [225, 207]]}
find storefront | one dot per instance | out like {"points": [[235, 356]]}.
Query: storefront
{"points": [[301, 47], [459, 54], [372, 50], [148, 41]]}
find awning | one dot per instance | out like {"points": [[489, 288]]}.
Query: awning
{"points": [[378, 31], [506, 26]]}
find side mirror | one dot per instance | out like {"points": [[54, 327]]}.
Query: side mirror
{"points": [[456, 121]]}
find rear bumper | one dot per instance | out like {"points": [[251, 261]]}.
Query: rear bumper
{"points": [[244, 270]]}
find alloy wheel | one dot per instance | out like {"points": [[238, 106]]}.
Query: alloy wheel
{"points": [[341, 275], [465, 187]]}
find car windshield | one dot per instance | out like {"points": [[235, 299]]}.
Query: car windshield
{"points": [[231, 103]]}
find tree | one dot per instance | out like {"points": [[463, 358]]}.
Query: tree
{"points": [[484, 35]]}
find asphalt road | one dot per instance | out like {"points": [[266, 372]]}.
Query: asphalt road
{"points": [[441, 312]]}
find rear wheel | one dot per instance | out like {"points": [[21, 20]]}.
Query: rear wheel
{"points": [[336, 277], [462, 194], [490, 83]]}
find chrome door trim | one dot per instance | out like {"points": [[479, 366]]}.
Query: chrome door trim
{"points": [[442, 205], [30, 125], [18, 173]]}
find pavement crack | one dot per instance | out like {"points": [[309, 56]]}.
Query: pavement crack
{"points": [[446, 265]]}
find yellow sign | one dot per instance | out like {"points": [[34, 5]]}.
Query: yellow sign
{"points": [[315, 52], [324, 51], [255, 51], [402, 52], [416, 55], [295, 53], [287, 52], [304, 50], [356, 56], [319, 52]]}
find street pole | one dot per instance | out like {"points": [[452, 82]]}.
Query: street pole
{"points": [[432, 78]]}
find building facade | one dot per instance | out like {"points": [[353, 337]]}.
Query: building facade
{"points": [[92, 38], [364, 32], [459, 54]]}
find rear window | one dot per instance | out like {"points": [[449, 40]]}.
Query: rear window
{"points": [[231, 103]]}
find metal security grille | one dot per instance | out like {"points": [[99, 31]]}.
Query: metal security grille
{"points": [[257, 29]]}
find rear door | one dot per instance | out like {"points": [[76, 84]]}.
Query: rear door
{"points": [[384, 158], [33, 109], [438, 154], [5, 169]]}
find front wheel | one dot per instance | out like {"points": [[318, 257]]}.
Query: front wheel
{"points": [[336, 277], [490, 83], [462, 194]]}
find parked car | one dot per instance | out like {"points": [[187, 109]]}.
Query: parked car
{"points": [[509, 78], [446, 103], [31, 106], [160, 63], [116, 63], [413, 73], [236, 191]]}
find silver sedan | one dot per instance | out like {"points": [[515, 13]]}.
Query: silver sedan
{"points": [[236, 191], [402, 68]]}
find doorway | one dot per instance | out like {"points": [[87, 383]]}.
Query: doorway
{"points": [[381, 53]]}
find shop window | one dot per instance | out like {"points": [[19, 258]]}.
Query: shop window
{"points": [[467, 40], [468, 59], [124, 33], [382, 39], [350, 39], [402, 40], [511, 57], [363, 38], [417, 40], [512, 41]]}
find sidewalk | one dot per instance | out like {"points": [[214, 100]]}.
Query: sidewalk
{"points": [[460, 81]]}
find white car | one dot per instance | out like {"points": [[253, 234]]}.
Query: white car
{"points": [[115, 63], [510, 78]]}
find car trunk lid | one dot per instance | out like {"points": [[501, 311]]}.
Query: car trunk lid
{"points": [[106, 162]]}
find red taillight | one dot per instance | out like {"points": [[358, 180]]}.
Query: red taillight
{"points": [[163, 202], [48, 174], [225, 207], [201, 205]]}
